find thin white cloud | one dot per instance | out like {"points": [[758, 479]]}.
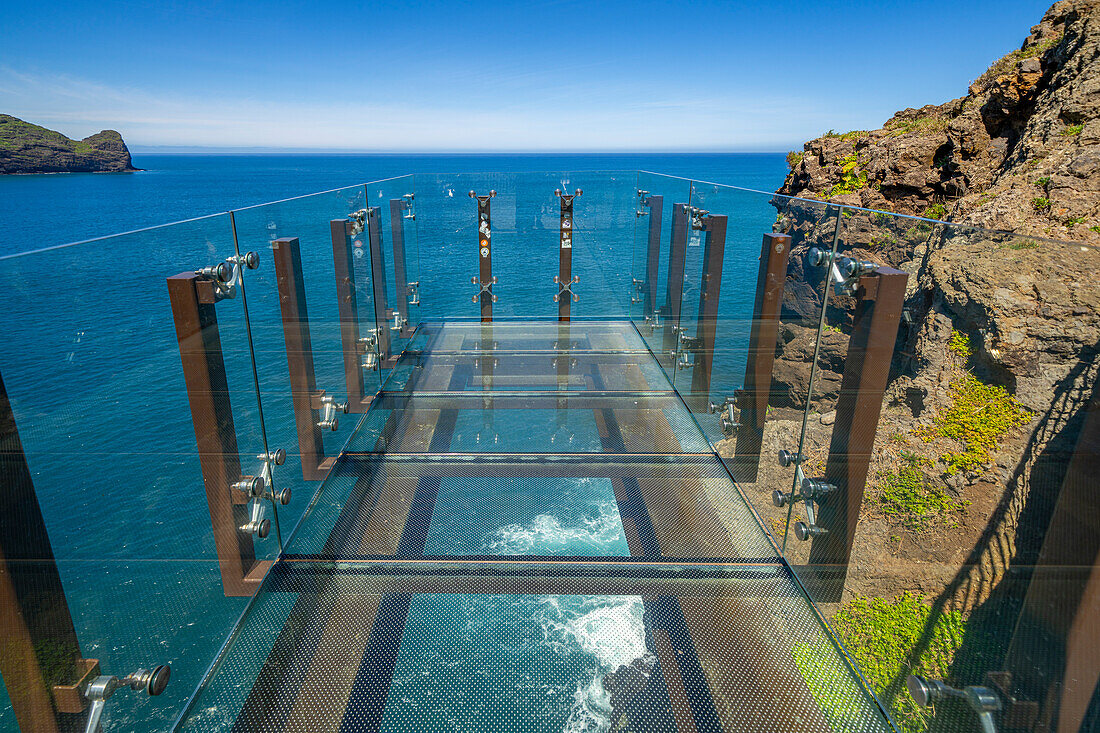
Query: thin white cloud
{"points": [[594, 120]]}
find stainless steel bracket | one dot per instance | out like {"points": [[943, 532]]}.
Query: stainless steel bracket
{"points": [[811, 492], [983, 700], [562, 288], [330, 420], [486, 288], [103, 687], [226, 276], [844, 273]]}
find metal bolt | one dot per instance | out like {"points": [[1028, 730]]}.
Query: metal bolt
{"points": [[250, 485], [259, 527], [282, 497], [817, 257], [805, 531], [779, 498], [786, 458]]}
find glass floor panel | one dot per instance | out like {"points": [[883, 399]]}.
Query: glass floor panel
{"points": [[342, 647], [528, 531], [655, 507], [545, 336], [528, 422], [527, 371]]}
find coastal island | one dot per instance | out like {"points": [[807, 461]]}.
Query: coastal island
{"points": [[29, 148]]}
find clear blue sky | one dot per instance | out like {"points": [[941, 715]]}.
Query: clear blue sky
{"points": [[554, 74]]}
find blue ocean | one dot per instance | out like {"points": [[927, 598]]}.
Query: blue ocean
{"points": [[92, 368]]}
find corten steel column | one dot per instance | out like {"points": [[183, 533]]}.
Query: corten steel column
{"points": [[400, 276], [485, 278], [1054, 657], [299, 356], [653, 252], [677, 254], [348, 309], [378, 281], [880, 297], [565, 296], [40, 658], [763, 336], [714, 249], [192, 297]]}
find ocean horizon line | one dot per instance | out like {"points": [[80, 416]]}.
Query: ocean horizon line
{"points": [[203, 150]]}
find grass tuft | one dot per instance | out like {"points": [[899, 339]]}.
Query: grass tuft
{"points": [[935, 211]]}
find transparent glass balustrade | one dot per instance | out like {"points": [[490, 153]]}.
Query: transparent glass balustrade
{"points": [[776, 456]]}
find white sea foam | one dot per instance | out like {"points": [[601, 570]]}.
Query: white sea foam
{"points": [[547, 534], [609, 631]]}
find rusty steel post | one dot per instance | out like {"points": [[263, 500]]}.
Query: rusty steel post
{"points": [[378, 281], [192, 297], [400, 266], [348, 310], [299, 356], [565, 296], [653, 252], [1052, 666], [763, 337], [40, 659], [484, 278], [706, 327], [880, 297], [677, 255]]}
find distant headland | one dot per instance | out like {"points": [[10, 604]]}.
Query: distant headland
{"points": [[28, 148]]}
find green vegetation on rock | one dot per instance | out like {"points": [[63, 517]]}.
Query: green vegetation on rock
{"points": [[980, 416], [851, 178], [907, 497], [1072, 130], [920, 125], [794, 159], [935, 211], [882, 635], [850, 135], [960, 345], [1040, 203], [1007, 61]]}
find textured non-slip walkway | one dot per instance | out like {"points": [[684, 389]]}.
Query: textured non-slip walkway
{"points": [[528, 531]]}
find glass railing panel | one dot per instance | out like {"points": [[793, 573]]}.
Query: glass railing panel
{"points": [[300, 316], [960, 512], [395, 201], [732, 351], [524, 251], [104, 413], [650, 296]]}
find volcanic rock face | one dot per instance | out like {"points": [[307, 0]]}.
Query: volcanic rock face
{"points": [[1020, 153], [27, 148]]}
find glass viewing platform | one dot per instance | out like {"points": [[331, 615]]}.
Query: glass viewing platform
{"points": [[537, 452]]}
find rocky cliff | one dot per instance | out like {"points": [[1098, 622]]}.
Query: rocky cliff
{"points": [[999, 345], [1021, 151], [27, 148]]}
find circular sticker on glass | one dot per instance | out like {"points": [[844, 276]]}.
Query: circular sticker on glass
{"points": [[484, 251]]}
